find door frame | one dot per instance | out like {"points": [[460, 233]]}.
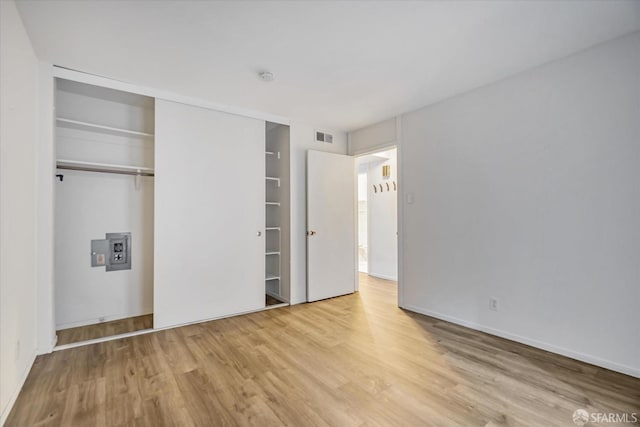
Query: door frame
{"points": [[399, 208]]}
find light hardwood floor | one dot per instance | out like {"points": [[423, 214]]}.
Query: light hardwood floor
{"points": [[105, 329], [356, 360]]}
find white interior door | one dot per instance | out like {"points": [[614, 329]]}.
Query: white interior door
{"points": [[209, 214], [331, 225]]}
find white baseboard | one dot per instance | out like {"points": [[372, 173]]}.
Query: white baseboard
{"points": [[607, 364], [16, 392]]}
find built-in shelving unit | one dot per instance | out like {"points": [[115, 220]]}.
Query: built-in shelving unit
{"points": [[272, 232], [277, 212], [103, 130]]}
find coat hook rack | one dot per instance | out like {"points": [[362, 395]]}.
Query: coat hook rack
{"points": [[387, 186], [395, 187], [60, 177], [375, 189], [381, 189]]}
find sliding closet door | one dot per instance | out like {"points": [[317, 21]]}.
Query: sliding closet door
{"points": [[209, 214]]}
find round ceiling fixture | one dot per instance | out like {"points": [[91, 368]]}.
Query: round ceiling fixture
{"points": [[267, 76]]}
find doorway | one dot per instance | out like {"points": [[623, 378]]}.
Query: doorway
{"points": [[378, 214], [333, 237]]}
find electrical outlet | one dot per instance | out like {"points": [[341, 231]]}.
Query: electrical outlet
{"points": [[493, 304]]}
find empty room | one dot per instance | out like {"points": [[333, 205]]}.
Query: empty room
{"points": [[319, 213]]}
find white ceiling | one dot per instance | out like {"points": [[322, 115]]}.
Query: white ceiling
{"points": [[341, 65]]}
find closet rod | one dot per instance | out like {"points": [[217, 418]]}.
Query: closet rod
{"points": [[122, 172]]}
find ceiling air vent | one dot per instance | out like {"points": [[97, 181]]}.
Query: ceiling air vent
{"points": [[324, 137]]}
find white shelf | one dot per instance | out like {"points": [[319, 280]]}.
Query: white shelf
{"points": [[101, 167], [272, 277], [274, 179], [273, 203], [272, 228], [272, 253], [273, 153], [77, 124]]}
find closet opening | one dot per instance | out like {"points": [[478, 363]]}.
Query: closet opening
{"points": [[277, 215], [378, 216], [104, 212]]}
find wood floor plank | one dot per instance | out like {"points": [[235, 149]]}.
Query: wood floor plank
{"points": [[356, 360]]}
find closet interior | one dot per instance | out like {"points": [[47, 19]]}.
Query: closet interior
{"points": [[104, 211], [277, 215]]}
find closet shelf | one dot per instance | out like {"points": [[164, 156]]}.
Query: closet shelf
{"points": [[103, 167], [273, 153], [274, 179], [273, 203], [272, 253], [272, 277], [77, 124], [272, 228]]}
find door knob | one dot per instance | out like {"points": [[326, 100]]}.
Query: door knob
{"points": [[311, 233]]}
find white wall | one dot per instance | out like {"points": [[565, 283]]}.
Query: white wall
{"points": [[382, 218], [363, 229], [303, 139], [528, 190], [373, 138], [18, 253]]}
